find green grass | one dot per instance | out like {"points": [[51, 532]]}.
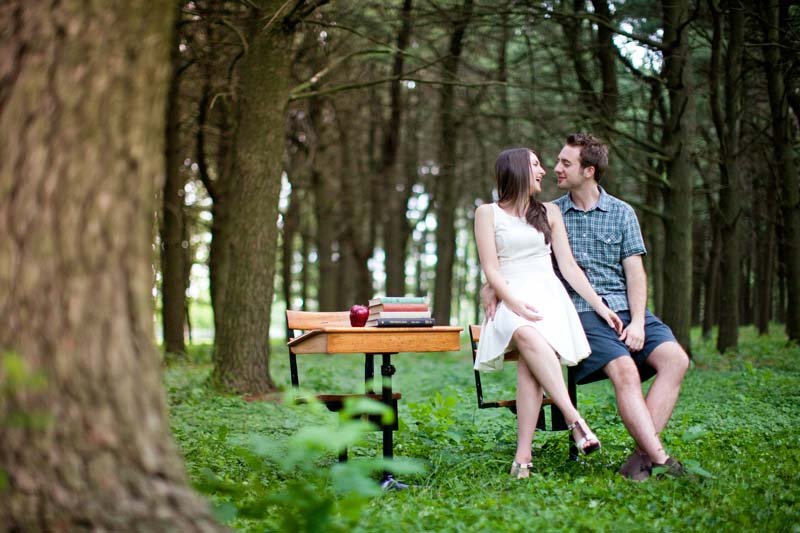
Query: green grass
{"points": [[737, 419]]}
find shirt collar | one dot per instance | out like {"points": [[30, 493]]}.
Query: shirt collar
{"points": [[602, 202]]}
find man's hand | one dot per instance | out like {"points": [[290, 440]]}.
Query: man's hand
{"points": [[489, 301], [633, 335]]}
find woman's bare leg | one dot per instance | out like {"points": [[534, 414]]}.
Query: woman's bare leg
{"points": [[543, 364], [529, 401]]}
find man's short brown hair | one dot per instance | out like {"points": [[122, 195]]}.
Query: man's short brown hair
{"points": [[594, 153]]}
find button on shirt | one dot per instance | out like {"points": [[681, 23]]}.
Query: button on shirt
{"points": [[600, 239]]}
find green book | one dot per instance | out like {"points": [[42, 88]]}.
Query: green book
{"points": [[397, 300]]}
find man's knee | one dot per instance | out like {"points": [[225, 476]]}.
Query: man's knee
{"points": [[670, 358], [623, 373]]}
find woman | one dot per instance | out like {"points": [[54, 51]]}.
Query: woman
{"points": [[535, 314]]}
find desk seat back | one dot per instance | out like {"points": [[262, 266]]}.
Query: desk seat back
{"points": [[305, 320]]}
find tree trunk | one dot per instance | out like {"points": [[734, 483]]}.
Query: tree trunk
{"points": [[324, 213], [775, 23], [82, 101], [678, 135], [764, 275], [698, 268], [396, 186], [291, 225], [446, 190], [357, 236], [711, 281], [241, 354], [728, 127], [173, 289], [653, 222], [609, 97]]}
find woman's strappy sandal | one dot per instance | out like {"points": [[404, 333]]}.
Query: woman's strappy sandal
{"points": [[521, 470], [589, 442]]}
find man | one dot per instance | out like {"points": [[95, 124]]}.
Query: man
{"points": [[607, 244]]}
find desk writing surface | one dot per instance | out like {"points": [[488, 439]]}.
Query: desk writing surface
{"points": [[333, 340]]}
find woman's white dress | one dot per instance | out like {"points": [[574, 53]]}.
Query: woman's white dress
{"points": [[527, 267]]}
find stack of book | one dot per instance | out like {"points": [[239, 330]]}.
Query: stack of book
{"points": [[399, 312]]}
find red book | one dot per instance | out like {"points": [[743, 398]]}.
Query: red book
{"points": [[397, 307]]}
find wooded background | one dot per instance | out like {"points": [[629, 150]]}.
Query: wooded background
{"points": [[368, 131], [314, 154]]}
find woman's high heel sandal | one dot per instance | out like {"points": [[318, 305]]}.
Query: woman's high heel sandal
{"points": [[589, 442], [520, 470]]}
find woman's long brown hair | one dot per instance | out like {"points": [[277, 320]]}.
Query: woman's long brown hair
{"points": [[512, 169]]}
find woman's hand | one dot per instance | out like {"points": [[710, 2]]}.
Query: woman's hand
{"points": [[525, 310], [610, 317]]}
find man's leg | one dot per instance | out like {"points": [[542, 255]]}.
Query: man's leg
{"points": [[633, 410], [671, 363]]}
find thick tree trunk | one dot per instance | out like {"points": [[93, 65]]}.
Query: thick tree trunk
{"points": [[784, 156], [82, 100], [173, 287], [446, 191], [678, 135], [241, 354]]}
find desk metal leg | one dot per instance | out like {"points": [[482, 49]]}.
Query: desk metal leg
{"points": [[388, 482], [387, 371], [369, 372]]}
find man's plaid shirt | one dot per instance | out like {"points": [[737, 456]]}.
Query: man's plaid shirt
{"points": [[600, 239]]}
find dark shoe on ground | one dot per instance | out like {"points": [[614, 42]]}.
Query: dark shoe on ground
{"points": [[637, 467], [672, 468]]}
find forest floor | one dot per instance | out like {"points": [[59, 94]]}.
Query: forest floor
{"points": [[271, 465]]}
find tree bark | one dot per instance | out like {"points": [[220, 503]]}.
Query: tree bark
{"points": [[82, 115], [446, 196], [679, 130], [173, 288], [765, 272], [291, 225], [241, 354], [774, 25], [728, 127], [711, 280], [325, 212], [357, 237], [398, 190]]}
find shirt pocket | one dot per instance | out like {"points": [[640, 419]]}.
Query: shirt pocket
{"points": [[608, 246]]}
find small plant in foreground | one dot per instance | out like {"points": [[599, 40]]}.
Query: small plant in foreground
{"points": [[310, 495]]}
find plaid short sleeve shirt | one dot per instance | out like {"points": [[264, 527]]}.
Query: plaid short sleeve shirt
{"points": [[600, 239]]}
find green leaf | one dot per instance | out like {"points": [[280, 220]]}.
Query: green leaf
{"points": [[693, 433], [693, 467], [225, 512]]}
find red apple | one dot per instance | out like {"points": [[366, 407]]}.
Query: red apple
{"points": [[358, 316]]}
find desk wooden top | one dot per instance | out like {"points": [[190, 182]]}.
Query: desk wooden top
{"points": [[333, 340]]}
